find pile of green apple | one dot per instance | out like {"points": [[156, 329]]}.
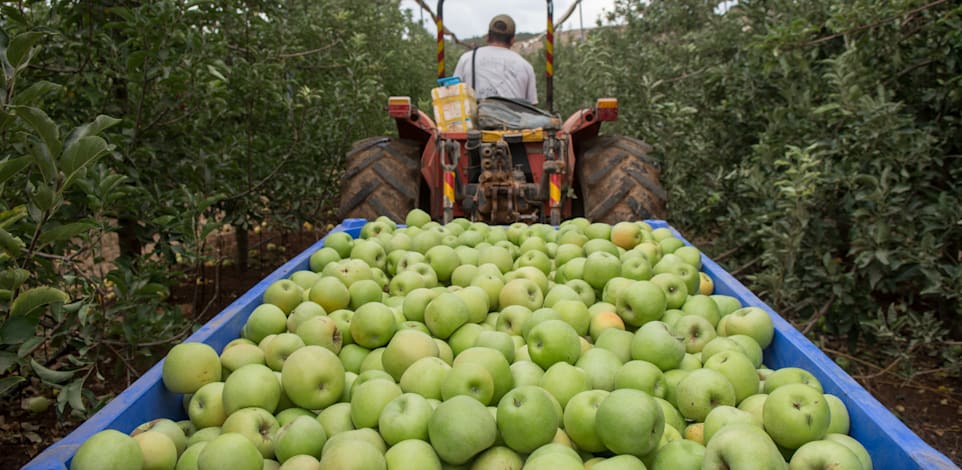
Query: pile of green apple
{"points": [[488, 347]]}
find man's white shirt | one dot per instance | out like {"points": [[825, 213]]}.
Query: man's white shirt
{"points": [[501, 72]]}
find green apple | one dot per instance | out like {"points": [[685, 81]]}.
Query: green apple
{"points": [[670, 245], [285, 294], [321, 258], [336, 418], [405, 417], [352, 454], [348, 271], [302, 436], [108, 449], [289, 414], [495, 363], [370, 252], [257, 425], [750, 347], [795, 414], [373, 325], [342, 242], [416, 301], [690, 255], [602, 321], [425, 377], [672, 378], [352, 356], [726, 303], [491, 284], [601, 366], [651, 251], [189, 366], [703, 390], [755, 405], [498, 256], [321, 331], [676, 291], [655, 343], [470, 379], [527, 418], [534, 259], [583, 289], [476, 299], [230, 451], [330, 293], [717, 345], [523, 292], [498, 457], [629, 421], [641, 302], [279, 348], [641, 375], [626, 234], [742, 446], [313, 377], [554, 456], [703, 306], [599, 268], [679, 455], [304, 311], [579, 419], [568, 251], [563, 381], [739, 371], [553, 341], [574, 313], [854, 446], [368, 399], [412, 453], [417, 218], [791, 375], [406, 347], [725, 415], [824, 454], [167, 427], [513, 318], [636, 267], [839, 421], [443, 259], [617, 341], [751, 321], [251, 385], [206, 408], [266, 319], [560, 292], [157, 449], [461, 428], [498, 340], [464, 337], [695, 330], [203, 435], [445, 314], [373, 361], [405, 282], [526, 373]]}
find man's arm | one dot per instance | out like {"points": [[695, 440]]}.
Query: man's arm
{"points": [[532, 93]]}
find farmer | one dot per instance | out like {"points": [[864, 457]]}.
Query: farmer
{"points": [[496, 70]]}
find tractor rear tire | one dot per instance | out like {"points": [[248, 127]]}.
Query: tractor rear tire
{"points": [[619, 181], [382, 177]]}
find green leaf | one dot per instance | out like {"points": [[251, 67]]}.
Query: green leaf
{"points": [[7, 384], [65, 232], [7, 359], [27, 347], [98, 125], [13, 278], [44, 160], [43, 125], [18, 329], [35, 93], [8, 70], [10, 244], [80, 154], [49, 375], [74, 393], [28, 302], [12, 166], [18, 51]]}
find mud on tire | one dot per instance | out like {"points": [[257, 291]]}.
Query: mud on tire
{"points": [[381, 177], [619, 181]]}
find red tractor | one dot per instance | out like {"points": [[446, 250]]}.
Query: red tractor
{"points": [[557, 171]]}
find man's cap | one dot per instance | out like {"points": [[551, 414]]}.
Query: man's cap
{"points": [[502, 24]]}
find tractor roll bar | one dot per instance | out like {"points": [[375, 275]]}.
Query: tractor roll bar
{"points": [[548, 50]]}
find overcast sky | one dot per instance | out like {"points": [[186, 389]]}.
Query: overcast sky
{"points": [[469, 18]]}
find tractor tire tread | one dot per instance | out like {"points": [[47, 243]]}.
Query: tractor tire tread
{"points": [[381, 177], [619, 181]]}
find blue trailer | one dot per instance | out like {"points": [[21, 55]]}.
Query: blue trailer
{"points": [[891, 444]]}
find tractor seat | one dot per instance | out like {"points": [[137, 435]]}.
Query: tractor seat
{"points": [[496, 113]]}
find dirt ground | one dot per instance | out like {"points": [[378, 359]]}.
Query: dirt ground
{"points": [[930, 404]]}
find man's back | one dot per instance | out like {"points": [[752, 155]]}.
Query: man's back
{"points": [[500, 72]]}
